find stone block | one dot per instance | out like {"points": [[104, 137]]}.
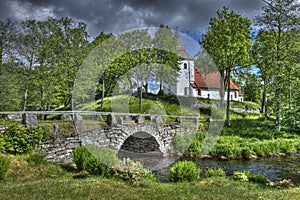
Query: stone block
{"points": [[66, 117], [139, 119], [77, 120], [178, 120], [29, 119], [120, 120], [14, 117], [159, 120], [111, 120]]}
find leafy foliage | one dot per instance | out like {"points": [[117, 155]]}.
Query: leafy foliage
{"points": [[212, 172], [184, 171], [241, 176], [291, 118], [20, 140], [132, 171], [95, 160], [4, 166], [245, 176], [37, 158]]}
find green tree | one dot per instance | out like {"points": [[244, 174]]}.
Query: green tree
{"points": [[9, 67], [138, 55], [166, 56], [279, 16], [262, 53], [228, 43]]}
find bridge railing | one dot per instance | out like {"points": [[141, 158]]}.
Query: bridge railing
{"points": [[112, 118]]}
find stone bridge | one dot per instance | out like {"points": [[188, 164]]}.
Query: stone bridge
{"points": [[131, 132]]}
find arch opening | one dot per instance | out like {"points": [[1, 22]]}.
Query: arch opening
{"points": [[140, 142]]}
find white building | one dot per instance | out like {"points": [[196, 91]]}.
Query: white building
{"points": [[193, 83]]}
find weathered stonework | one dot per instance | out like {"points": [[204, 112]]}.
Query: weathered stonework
{"points": [[146, 137]]}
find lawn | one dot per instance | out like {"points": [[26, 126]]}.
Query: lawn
{"points": [[27, 180]]}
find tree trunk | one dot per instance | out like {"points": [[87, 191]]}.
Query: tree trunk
{"points": [[141, 98], [1, 54], [228, 98], [290, 90], [277, 107], [222, 91], [264, 101], [102, 95], [25, 99]]}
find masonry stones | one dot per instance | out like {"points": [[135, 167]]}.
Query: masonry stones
{"points": [[111, 120], [29, 120]]}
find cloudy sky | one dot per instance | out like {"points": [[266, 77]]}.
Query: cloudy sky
{"points": [[190, 16]]}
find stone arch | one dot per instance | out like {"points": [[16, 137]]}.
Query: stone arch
{"points": [[141, 142], [150, 130]]}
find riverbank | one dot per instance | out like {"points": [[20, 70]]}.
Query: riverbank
{"points": [[27, 180]]}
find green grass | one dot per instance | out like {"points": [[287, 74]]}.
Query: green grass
{"points": [[51, 181]]}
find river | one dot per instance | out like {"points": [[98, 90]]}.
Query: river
{"points": [[274, 169]]}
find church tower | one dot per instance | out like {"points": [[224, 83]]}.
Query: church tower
{"points": [[186, 74]]}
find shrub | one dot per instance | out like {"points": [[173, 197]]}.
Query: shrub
{"points": [[95, 160], [4, 166], [246, 176], [21, 140], [107, 156], [241, 176], [181, 143], [95, 167], [184, 171], [211, 172], [195, 146], [132, 171], [246, 152], [37, 158], [80, 157], [258, 178]]}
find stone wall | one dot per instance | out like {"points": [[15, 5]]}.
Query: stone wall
{"points": [[133, 137], [59, 151]]}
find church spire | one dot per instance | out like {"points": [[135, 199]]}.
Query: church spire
{"points": [[181, 49]]}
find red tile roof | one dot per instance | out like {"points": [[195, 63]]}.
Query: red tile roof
{"points": [[210, 81]]}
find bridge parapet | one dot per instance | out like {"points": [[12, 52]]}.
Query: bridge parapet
{"points": [[92, 128]]}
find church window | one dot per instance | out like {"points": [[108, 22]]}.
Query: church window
{"points": [[185, 66], [199, 92]]}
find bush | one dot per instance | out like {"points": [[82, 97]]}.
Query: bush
{"points": [[181, 143], [95, 167], [95, 160], [246, 176], [184, 171], [4, 166], [258, 178], [80, 157], [132, 171], [37, 158], [241, 176], [107, 156], [19, 140], [211, 172]]}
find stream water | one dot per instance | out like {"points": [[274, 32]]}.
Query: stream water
{"points": [[274, 169]]}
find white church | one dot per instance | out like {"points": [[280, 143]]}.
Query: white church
{"points": [[190, 82]]}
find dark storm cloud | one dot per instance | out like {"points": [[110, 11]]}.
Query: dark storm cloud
{"points": [[121, 15]]}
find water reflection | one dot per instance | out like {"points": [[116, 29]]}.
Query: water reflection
{"points": [[274, 169]]}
